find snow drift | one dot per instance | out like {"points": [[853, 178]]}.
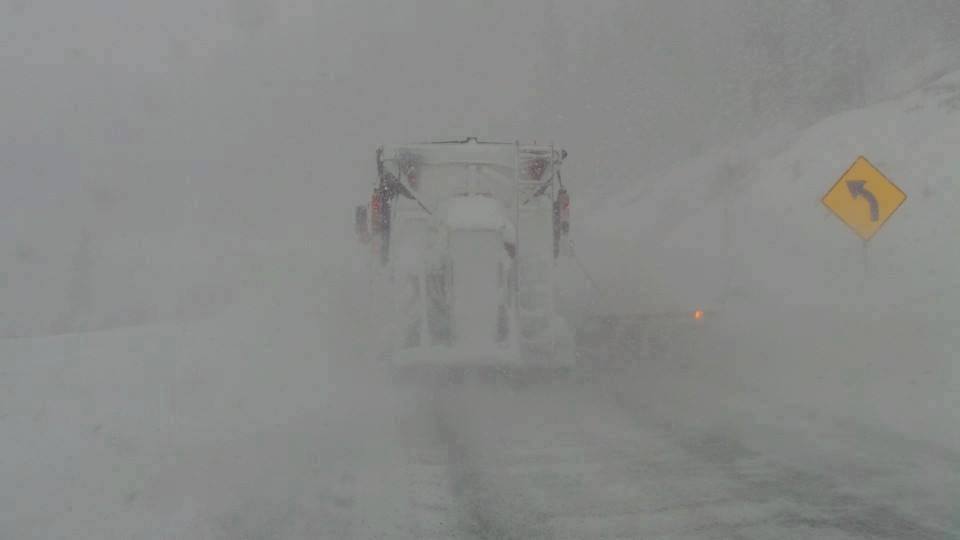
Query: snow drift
{"points": [[809, 316]]}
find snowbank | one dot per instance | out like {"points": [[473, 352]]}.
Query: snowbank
{"points": [[92, 424], [812, 317]]}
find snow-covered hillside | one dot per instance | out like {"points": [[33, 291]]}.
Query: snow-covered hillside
{"points": [[161, 431], [806, 318], [748, 219]]}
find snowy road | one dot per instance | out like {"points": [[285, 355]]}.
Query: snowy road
{"points": [[659, 451], [586, 461], [610, 458]]}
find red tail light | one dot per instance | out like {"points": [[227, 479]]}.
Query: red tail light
{"points": [[376, 205], [563, 198]]}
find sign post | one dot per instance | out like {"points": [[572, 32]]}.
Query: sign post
{"points": [[864, 199]]}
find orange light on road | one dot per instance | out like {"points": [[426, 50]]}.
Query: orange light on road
{"points": [[698, 314]]}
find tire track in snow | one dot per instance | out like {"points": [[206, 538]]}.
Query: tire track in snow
{"points": [[823, 498], [358, 468], [489, 507], [572, 460], [424, 472]]}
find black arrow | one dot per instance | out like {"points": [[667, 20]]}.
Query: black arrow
{"points": [[857, 190]]}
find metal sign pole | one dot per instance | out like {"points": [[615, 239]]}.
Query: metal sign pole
{"points": [[864, 199], [865, 259], [516, 228]]}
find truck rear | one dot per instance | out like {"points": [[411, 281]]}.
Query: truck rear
{"points": [[465, 236]]}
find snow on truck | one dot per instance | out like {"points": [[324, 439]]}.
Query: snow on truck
{"points": [[467, 233]]}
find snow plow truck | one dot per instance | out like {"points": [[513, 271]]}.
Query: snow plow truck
{"points": [[466, 236]]}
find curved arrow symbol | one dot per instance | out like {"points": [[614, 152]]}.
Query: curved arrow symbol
{"points": [[858, 190]]}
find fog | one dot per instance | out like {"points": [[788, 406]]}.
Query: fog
{"points": [[132, 119], [179, 272]]}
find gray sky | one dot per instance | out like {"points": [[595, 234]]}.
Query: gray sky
{"points": [[134, 123], [113, 91]]}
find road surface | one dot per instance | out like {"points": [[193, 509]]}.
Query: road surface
{"points": [[660, 449], [609, 457]]}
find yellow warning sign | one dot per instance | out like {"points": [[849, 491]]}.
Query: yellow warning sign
{"points": [[864, 198]]}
